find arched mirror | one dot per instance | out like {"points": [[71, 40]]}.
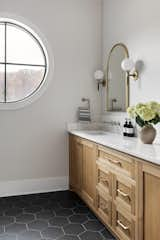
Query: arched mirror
{"points": [[116, 79]]}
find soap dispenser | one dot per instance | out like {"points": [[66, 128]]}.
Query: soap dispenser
{"points": [[125, 127], [130, 129]]}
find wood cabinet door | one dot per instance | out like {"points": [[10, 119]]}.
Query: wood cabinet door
{"points": [[151, 203], [89, 172], [75, 166], [104, 207]]}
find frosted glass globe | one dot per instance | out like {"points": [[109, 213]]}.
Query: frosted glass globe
{"points": [[127, 64], [99, 75]]}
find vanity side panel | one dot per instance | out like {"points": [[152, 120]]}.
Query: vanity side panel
{"points": [[151, 201], [75, 163]]}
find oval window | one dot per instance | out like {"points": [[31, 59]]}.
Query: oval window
{"points": [[23, 62]]}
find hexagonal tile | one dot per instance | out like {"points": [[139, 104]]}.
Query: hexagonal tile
{"points": [[91, 216], [21, 204], [81, 210], [29, 235], [107, 235], [68, 237], [8, 237], [38, 225], [45, 215], [11, 200], [80, 203], [6, 220], [39, 201], [94, 225], [5, 206], [78, 218], [61, 195], [67, 204], [52, 232], [13, 212], [73, 229], [91, 236], [58, 221], [29, 198], [33, 209], [1, 229], [15, 228], [59, 215], [51, 206], [64, 212], [25, 218]]}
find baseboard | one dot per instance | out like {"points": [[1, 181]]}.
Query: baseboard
{"points": [[31, 186]]}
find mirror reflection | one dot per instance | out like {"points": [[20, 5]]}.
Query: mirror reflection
{"points": [[117, 83]]}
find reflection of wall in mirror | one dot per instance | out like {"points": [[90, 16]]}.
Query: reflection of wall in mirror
{"points": [[117, 81]]}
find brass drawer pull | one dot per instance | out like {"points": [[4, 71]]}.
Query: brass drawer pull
{"points": [[122, 193], [115, 162], [122, 225]]}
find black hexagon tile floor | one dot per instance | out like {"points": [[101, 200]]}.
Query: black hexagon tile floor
{"points": [[49, 216]]}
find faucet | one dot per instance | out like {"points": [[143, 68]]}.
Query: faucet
{"points": [[114, 100], [88, 102]]}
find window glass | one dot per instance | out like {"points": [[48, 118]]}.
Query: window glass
{"points": [[22, 81], [23, 63], [22, 47], [2, 43]]}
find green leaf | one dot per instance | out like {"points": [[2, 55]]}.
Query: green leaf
{"points": [[155, 120], [140, 121]]}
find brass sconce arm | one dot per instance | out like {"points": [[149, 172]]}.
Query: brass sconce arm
{"points": [[99, 77], [129, 66], [134, 75], [102, 82]]}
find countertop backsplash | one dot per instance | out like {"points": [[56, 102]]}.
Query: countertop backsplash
{"points": [[120, 117], [112, 122]]}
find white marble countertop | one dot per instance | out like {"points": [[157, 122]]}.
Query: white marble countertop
{"points": [[131, 146]]}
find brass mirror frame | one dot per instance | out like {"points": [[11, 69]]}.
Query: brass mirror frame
{"points": [[106, 71]]}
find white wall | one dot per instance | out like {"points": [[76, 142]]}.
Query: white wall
{"points": [[33, 142], [137, 24]]}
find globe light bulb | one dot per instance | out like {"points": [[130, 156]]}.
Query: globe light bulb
{"points": [[99, 75], [127, 64]]}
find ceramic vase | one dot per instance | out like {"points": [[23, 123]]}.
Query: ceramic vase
{"points": [[147, 134]]}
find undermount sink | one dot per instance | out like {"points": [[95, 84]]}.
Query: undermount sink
{"points": [[95, 132]]}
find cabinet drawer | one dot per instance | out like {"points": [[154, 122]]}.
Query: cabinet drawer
{"points": [[122, 223], [104, 207], [118, 161], [123, 192], [104, 178]]}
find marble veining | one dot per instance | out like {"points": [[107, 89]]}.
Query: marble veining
{"points": [[131, 146]]}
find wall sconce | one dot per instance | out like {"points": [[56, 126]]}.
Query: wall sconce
{"points": [[99, 77], [129, 66]]}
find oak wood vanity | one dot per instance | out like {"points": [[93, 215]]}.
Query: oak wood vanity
{"points": [[122, 190]]}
